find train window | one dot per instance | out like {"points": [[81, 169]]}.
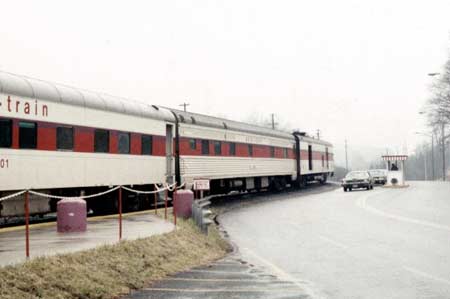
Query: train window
{"points": [[193, 120], [217, 147], [285, 152], [232, 149], [250, 150], [192, 144], [5, 133], [327, 157], [310, 162], [205, 147], [146, 144], [101, 141], [123, 144], [272, 152], [27, 134], [64, 138]]}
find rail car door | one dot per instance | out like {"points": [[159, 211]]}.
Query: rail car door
{"points": [[169, 153], [310, 158]]}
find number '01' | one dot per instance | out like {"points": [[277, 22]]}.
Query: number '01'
{"points": [[4, 163]]}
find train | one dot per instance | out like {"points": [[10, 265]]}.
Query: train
{"points": [[66, 141]]}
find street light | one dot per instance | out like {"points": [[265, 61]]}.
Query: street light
{"points": [[432, 153], [443, 136]]}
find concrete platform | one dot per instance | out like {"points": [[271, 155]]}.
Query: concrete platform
{"points": [[45, 240]]}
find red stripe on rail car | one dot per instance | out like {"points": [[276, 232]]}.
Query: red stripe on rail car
{"points": [[83, 140], [159, 146], [113, 143], [135, 144], [46, 136]]}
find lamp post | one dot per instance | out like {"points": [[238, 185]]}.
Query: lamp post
{"points": [[443, 151], [432, 153]]}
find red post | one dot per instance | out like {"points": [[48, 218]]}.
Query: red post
{"points": [[27, 225], [165, 204], [120, 213], [156, 207], [173, 208]]}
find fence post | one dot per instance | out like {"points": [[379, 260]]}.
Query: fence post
{"points": [[27, 225], [120, 213], [165, 204], [173, 209], [156, 208]]}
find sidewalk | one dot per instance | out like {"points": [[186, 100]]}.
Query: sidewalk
{"points": [[45, 240]]}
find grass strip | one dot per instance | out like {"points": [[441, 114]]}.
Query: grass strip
{"points": [[113, 270]]}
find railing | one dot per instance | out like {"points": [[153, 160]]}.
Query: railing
{"points": [[201, 213], [158, 189]]}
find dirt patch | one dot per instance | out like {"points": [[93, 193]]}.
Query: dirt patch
{"points": [[113, 270]]}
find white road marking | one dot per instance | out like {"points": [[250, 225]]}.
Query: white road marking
{"points": [[333, 242], [282, 274], [222, 279], [238, 290], [215, 271], [362, 202], [427, 275]]}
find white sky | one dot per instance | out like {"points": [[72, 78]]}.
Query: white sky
{"points": [[353, 69]]}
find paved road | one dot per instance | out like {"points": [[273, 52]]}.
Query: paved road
{"points": [[383, 243], [228, 278]]}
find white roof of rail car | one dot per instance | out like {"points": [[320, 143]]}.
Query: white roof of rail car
{"points": [[221, 123], [38, 89]]}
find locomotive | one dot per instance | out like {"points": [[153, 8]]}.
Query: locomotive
{"points": [[65, 141]]}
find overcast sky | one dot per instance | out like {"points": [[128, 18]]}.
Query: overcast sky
{"points": [[356, 70]]}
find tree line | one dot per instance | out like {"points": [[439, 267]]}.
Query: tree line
{"points": [[431, 160]]}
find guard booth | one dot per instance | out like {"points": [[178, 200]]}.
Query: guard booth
{"points": [[395, 165]]}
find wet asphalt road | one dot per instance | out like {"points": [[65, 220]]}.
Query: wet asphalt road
{"points": [[230, 277], [383, 243]]}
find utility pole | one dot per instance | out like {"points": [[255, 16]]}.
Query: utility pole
{"points": [[346, 158], [432, 156], [318, 134], [184, 106], [272, 115], [443, 151], [432, 152], [425, 164]]}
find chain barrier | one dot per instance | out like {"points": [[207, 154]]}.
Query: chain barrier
{"points": [[73, 197], [144, 192], [171, 188], [174, 187], [12, 195]]}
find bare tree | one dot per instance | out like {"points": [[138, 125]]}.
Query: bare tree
{"points": [[438, 112], [438, 108]]}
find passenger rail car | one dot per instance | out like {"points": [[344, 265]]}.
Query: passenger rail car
{"points": [[65, 141], [240, 156]]}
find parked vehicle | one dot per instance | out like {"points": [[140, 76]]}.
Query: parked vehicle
{"points": [[357, 180], [379, 176]]}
